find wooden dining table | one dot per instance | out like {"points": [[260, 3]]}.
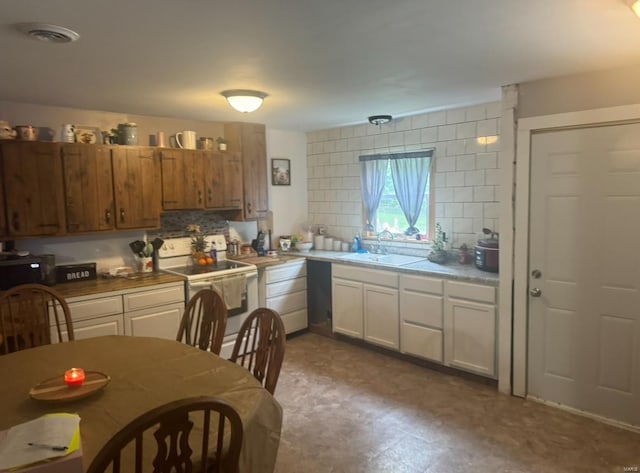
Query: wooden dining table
{"points": [[145, 373]]}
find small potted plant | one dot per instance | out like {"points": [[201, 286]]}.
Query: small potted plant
{"points": [[199, 246], [222, 143], [438, 254]]}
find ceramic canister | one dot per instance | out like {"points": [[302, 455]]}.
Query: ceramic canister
{"points": [[27, 132], [328, 243], [128, 134], [337, 244], [318, 242]]}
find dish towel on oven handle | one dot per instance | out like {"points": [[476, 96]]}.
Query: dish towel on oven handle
{"points": [[232, 288]]}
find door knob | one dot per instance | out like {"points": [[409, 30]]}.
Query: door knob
{"points": [[536, 274], [535, 292]]}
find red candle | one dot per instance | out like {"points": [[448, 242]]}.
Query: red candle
{"points": [[74, 377]]}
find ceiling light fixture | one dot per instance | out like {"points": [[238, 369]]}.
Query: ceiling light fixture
{"points": [[244, 101], [379, 119], [635, 6], [48, 33]]}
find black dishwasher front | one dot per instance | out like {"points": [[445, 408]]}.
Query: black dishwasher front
{"points": [[319, 297]]}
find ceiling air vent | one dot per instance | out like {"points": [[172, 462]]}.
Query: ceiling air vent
{"points": [[48, 33]]}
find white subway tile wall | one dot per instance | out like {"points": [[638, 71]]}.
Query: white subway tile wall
{"points": [[466, 142]]}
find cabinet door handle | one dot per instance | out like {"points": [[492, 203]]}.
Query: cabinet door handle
{"points": [[107, 216], [122, 215], [199, 197], [249, 208]]}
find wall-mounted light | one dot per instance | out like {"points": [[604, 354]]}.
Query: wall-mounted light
{"points": [[635, 6], [487, 140], [244, 101]]}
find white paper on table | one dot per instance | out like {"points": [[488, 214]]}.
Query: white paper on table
{"points": [[50, 429]]}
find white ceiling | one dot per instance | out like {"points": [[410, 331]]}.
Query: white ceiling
{"points": [[324, 63]]}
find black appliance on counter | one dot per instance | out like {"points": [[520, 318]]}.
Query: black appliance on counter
{"points": [[487, 252], [258, 244], [16, 270]]}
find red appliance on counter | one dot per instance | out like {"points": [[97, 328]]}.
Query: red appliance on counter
{"points": [[487, 252]]}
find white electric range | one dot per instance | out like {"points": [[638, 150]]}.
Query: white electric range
{"points": [[175, 257]]}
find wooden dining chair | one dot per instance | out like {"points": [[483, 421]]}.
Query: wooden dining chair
{"points": [[32, 315], [259, 346], [204, 321], [175, 449]]}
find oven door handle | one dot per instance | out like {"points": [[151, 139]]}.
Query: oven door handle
{"points": [[209, 282], [200, 284]]}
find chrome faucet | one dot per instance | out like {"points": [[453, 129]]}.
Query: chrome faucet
{"points": [[379, 248]]}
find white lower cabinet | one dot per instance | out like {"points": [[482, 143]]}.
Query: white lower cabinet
{"points": [[470, 328], [347, 307], [154, 311], [283, 288], [421, 316], [98, 327], [159, 322], [441, 320], [365, 304]]}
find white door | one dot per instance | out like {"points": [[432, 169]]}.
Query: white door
{"points": [[584, 270]]}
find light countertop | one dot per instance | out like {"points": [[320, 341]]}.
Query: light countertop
{"points": [[452, 270]]}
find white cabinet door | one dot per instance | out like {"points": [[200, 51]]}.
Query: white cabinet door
{"points": [[161, 295], [421, 341], [421, 316], [470, 336], [286, 271], [83, 308], [381, 321], [98, 327], [294, 321], [160, 322], [347, 307]]}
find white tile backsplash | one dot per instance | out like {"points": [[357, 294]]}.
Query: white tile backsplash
{"points": [[466, 174]]}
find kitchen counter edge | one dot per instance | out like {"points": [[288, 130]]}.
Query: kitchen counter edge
{"points": [[452, 271], [107, 285]]}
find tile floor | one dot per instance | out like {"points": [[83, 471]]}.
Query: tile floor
{"points": [[350, 409]]}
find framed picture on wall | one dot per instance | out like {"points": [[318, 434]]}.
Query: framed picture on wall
{"points": [[281, 172]]}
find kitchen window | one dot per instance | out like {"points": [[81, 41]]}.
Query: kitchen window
{"points": [[396, 192]]}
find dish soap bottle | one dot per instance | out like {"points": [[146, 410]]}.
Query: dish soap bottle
{"points": [[356, 243]]}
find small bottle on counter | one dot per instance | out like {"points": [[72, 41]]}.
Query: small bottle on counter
{"points": [[356, 243], [214, 255]]}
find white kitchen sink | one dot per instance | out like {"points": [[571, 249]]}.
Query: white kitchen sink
{"points": [[390, 260]]}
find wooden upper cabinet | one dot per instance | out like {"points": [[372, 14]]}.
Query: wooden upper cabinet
{"points": [[136, 174], [3, 215], [182, 179], [88, 183], [34, 189], [223, 180], [250, 140]]}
